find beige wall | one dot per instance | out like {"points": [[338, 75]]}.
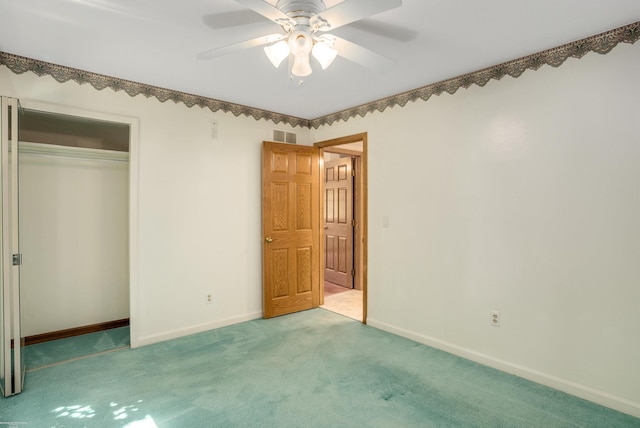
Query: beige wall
{"points": [[522, 197], [197, 225]]}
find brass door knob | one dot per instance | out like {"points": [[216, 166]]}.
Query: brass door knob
{"points": [[268, 239]]}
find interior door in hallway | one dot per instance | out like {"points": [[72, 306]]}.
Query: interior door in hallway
{"points": [[338, 221], [291, 228]]}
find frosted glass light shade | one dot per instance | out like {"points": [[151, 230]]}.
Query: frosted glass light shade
{"points": [[301, 66], [324, 54], [277, 52]]}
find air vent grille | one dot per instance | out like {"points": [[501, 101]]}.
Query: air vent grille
{"points": [[285, 137]]}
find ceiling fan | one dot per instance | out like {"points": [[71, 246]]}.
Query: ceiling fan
{"points": [[305, 25]]}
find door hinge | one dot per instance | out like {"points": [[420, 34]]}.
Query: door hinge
{"points": [[353, 222], [353, 272], [353, 172], [17, 259]]}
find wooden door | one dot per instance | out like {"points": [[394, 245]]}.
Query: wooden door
{"points": [[291, 228], [338, 221]]}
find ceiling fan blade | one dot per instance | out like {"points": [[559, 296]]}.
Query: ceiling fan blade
{"points": [[268, 11], [363, 56], [219, 21], [385, 29], [226, 50], [349, 11]]}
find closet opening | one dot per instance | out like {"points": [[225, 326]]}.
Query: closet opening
{"points": [[74, 236]]}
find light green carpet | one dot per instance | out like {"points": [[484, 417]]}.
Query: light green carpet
{"points": [[56, 351], [311, 369]]}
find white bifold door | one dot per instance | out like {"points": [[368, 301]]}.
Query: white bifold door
{"points": [[12, 368]]}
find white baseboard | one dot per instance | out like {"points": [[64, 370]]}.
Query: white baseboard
{"points": [[585, 392], [175, 334]]}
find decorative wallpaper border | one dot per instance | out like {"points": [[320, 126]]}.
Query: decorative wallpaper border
{"points": [[19, 64], [601, 43]]}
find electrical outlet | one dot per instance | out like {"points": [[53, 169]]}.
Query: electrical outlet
{"points": [[495, 318], [209, 299]]}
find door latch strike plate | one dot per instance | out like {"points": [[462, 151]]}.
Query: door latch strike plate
{"points": [[17, 259]]}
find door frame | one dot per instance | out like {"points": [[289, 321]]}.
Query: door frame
{"points": [[134, 156], [355, 138]]}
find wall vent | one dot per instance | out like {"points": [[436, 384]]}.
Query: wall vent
{"points": [[285, 137]]}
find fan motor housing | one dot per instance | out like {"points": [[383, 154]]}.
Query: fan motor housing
{"points": [[301, 8]]}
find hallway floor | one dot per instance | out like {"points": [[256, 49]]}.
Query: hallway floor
{"points": [[343, 301]]}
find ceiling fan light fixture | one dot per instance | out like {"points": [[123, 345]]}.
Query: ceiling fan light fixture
{"points": [[305, 24], [324, 54], [300, 43], [277, 52]]}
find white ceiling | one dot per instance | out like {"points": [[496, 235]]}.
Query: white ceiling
{"points": [[156, 42]]}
